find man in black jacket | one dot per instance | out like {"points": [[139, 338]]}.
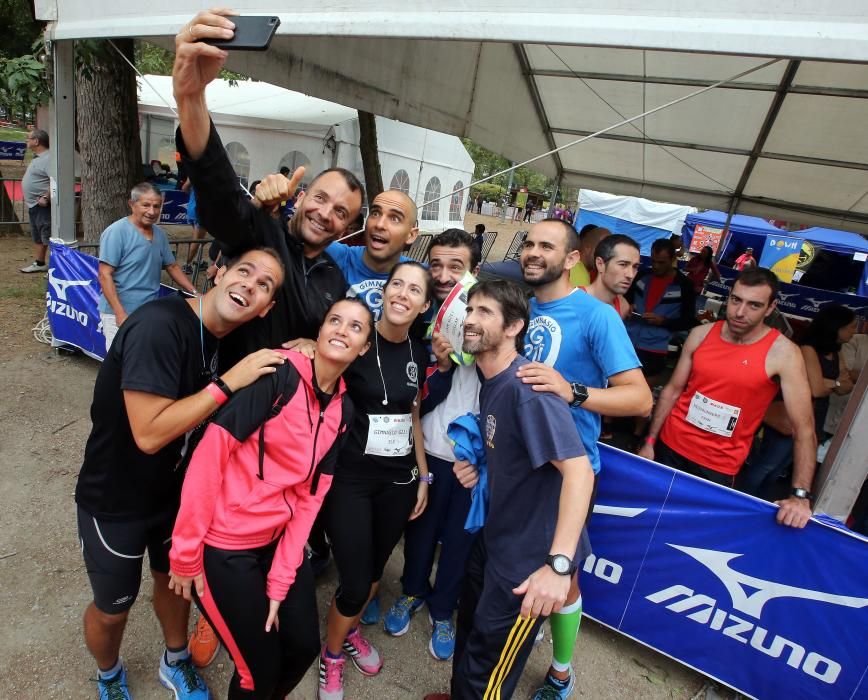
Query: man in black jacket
{"points": [[331, 204]]}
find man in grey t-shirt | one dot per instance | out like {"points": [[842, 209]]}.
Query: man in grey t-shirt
{"points": [[36, 186]]}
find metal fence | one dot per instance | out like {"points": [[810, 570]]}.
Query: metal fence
{"points": [[13, 211]]}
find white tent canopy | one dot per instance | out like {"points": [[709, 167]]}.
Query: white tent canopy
{"points": [[265, 126], [787, 141]]}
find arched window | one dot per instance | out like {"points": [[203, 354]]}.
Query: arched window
{"points": [[455, 208], [297, 159], [240, 159], [400, 181], [431, 210]]}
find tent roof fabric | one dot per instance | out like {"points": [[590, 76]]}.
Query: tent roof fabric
{"points": [[749, 224], [837, 241], [785, 141]]}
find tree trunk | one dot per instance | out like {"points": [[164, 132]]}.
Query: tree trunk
{"points": [[370, 154], [108, 137]]}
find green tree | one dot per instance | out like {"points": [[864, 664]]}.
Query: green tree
{"points": [[18, 29]]}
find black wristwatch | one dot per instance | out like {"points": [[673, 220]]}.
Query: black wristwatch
{"points": [[222, 386], [561, 564], [580, 394], [802, 493]]}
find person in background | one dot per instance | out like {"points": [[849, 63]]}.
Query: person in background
{"points": [[699, 266], [589, 237], [617, 260], [855, 354], [745, 260], [36, 187], [479, 239], [132, 253]]}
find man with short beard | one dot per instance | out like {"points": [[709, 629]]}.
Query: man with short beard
{"points": [[539, 482], [617, 261], [728, 374], [579, 350], [331, 203]]}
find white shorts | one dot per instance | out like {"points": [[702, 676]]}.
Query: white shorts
{"points": [[109, 328]]}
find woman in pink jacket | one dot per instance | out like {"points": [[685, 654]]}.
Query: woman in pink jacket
{"points": [[253, 488]]}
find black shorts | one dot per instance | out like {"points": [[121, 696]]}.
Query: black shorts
{"points": [[113, 553], [653, 363], [664, 454], [40, 224]]}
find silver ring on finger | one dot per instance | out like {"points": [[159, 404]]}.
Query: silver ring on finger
{"points": [[190, 30]]}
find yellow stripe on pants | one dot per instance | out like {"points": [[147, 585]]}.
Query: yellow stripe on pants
{"points": [[514, 640]]}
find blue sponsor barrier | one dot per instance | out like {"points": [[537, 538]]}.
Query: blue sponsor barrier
{"points": [[174, 207], [705, 575], [72, 300], [795, 299], [12, 150]]}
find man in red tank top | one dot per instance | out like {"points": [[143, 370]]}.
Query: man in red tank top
{"points": [[617, 260], [727, 376]]}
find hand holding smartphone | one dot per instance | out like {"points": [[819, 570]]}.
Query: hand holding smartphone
{"points": [[252, 33]]}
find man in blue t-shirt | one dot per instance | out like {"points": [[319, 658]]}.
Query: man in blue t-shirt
{"points": [[132, 253], [579, 350], [392, 225], [539, 485]]}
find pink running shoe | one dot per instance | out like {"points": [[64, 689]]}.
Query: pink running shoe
{"points": [[331, 678], [363, 654]]}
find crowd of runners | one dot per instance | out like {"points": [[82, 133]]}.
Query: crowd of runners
{"points": [[304, 410]]}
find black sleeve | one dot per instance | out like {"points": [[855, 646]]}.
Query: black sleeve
{"points": [[223, 207], [687, 318], [251, 406], [152, 362]]}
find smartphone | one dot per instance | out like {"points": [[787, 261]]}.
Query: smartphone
{"points": [[252, 33]]}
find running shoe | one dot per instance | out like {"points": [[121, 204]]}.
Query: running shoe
{"points": [[35, 267], [442, 644], [362, 653], [556, 689], [397, 620], [331, 678], [114, 688], [183, 680], [371, 613], [203, 644]]}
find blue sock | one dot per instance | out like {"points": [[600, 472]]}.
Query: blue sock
{"points": [[333, 657], [111, 672]]}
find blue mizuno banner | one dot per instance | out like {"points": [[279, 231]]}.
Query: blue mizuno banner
{"points": [[705, 575], [174, 207], [795, 299], [72, 298], [12, 150]]}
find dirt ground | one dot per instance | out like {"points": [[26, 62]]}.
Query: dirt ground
{"points": [[44, 589]]}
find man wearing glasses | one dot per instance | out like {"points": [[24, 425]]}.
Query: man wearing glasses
{"points": [[36, 186]]}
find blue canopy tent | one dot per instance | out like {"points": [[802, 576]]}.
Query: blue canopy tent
{"points": [[744, 231]]}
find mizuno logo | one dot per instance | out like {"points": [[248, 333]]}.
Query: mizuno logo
{"points": [[751, 603], [817, 302], [784, 297], [620, 511], [60, 286]]}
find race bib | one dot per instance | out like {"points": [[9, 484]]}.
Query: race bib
{"points": [[712, 416], [389, 435]]}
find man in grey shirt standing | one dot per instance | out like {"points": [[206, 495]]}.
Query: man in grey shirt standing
{"points": [[36, 186]]}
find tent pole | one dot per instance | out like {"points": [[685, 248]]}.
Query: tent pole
{"points": [[62, 139], [727, 234], [506, 197], [840, 478], [555, 192]]}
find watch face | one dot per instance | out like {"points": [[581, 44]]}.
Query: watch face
{"points": [[561, 564]]}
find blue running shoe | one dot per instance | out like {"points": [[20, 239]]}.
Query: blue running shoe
{"points": [[371, 613], [442, 644], [397, 620], [556, 689], [183, 680], [114, 688]]}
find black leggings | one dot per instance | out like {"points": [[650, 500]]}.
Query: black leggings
{"points": [[267, 665], [364, 521]]}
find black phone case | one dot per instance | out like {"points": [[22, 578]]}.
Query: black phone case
{"points": [[252, 33]]}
